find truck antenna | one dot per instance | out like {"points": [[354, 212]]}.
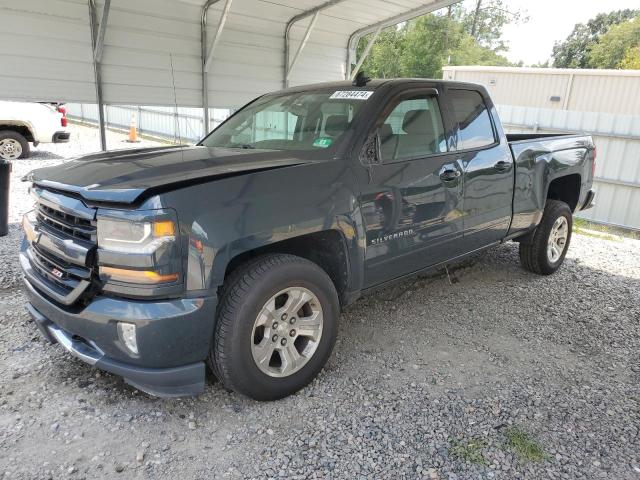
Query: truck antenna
{"points": [[361, 79], [175, 103]]}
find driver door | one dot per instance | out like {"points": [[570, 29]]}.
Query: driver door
{"points": [[412, 203]]}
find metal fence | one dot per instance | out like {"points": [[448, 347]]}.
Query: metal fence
{"points": [[617, 138], [179, 124]]}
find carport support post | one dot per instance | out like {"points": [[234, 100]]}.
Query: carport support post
{"points": [[216, 38], [303, 43], [365, 54], [287, 36], [97, 44], [203, 53]]}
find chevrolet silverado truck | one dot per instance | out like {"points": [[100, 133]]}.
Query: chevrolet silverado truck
{"points": [[22, 123], [240, 252]]}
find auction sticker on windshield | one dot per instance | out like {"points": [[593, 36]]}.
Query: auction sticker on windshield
{"points": [[352, 95], [322, 142]]}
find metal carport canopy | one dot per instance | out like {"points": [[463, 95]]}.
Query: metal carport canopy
{"points": [[49, 47]]}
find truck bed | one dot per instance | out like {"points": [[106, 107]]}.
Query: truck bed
{"points": [[518, 137]]}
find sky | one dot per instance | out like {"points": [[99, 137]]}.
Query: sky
{"points": [[551, 20]]}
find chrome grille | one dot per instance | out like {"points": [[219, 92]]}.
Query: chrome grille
{"points": [[46, 268], [59, 260], [66, 223]]}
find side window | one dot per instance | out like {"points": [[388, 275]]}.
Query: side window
{"points": [[471, 115], [413, 129]]}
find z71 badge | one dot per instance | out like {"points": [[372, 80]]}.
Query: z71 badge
{"points": [[393, 236], [57, 273]]}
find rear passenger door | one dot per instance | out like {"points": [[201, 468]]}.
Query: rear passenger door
{"points": [[411, 203], [488, 170]]}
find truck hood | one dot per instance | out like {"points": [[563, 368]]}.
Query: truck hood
{"points": [[124, 176]]}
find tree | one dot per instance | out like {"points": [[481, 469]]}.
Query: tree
{"points": [[631, 60], [612, 48], [424, 53], [487, 19], [470, 53], [573, 52], [421, 47], [384, 59]]}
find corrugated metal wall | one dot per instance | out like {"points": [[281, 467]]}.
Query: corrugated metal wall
{"points": [[617, 138], [605, 104], [47, 46], [608, 91], [512, 88]]}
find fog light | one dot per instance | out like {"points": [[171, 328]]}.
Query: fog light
{"points": [[127, 332]]}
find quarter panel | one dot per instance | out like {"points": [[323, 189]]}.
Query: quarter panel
{"points": [[538, 163]]}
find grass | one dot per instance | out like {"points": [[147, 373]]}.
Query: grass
{"points": [[605, 232], [468, 451], [524, 445]]}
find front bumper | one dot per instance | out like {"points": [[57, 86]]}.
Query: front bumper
{"points": [[167, 382], [173, 338]]}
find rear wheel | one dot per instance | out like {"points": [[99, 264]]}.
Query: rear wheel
{"points": [[276, 326], [547, 249], [13, 145]]}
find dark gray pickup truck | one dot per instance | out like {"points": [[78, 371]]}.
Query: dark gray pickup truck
{"points": [[240, 252]]}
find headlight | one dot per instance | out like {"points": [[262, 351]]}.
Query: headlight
{"points": [[138, 247], [134, 237]]}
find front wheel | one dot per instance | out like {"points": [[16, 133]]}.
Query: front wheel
{"points": [[546, 251], [276, 326]]}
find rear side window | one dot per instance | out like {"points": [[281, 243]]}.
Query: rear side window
{"points": [[471, 115], [412, 130]]}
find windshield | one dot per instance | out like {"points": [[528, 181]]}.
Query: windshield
{"points": [[295, 121]]}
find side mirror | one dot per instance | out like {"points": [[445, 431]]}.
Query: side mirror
{"points": [[370, 153]]}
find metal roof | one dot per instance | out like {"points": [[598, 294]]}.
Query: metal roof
{"points": [[51, 45]]}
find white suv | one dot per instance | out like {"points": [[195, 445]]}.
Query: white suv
{"points": [[24, 122]]}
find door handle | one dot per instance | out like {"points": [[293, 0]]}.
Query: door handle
{"points": [[502, 166], [449, 174]]}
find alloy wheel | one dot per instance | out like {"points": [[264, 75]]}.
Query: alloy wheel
{"points": [[287, 332], [557, 239]]}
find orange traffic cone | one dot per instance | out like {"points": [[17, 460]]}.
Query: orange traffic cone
{"points": [[133, 130]]}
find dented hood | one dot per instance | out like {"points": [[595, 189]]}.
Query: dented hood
{"points": [[124, 176]]}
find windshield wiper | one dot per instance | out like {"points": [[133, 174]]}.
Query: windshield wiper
{"points": [[248, 146]]}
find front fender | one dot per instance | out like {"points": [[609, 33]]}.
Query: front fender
{"points": [[222, 219]]}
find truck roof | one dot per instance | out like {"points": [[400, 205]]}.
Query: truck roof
{"points": [[377, 83]]}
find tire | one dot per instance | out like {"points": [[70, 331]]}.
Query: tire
{"points": [[274, 281], [535, 255], [13, 145]]}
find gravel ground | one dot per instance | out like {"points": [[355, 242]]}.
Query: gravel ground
{"points": [[492, 373]]}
